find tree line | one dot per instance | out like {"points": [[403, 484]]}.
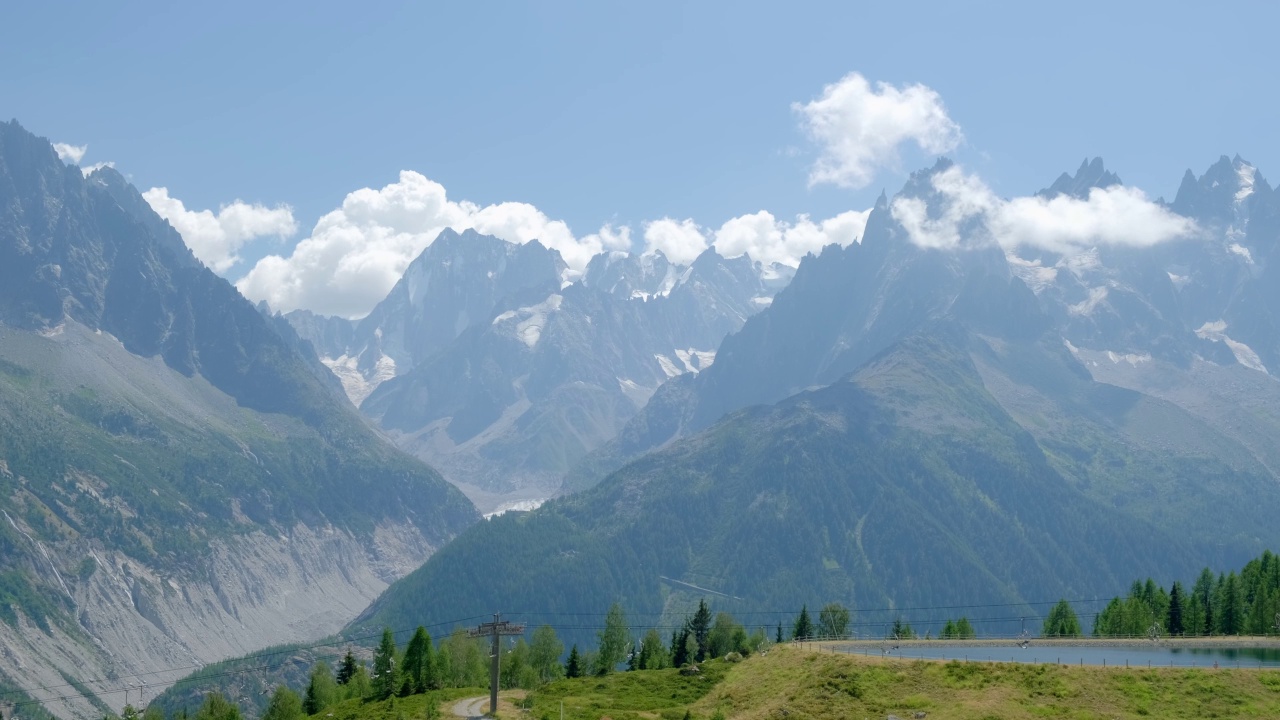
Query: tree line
{"points": [[1244, 603], [459, 660]]}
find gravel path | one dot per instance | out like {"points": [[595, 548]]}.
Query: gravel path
{"points": [[471, 707]]}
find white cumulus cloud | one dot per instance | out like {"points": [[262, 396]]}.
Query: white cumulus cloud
{"points": [[216, 239], [966, 209], [858, 128], [610, 238], [681, 241], [70, 153], [356, 253], [767, 239]]}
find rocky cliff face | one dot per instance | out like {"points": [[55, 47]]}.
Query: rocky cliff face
{"points": [[140, 627], [181, 479]]}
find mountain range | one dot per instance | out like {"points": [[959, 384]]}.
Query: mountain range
{"points": [[908, 426], [486, 362]]}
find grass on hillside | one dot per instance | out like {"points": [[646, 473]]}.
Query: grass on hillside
{"points": [[792, 684], [413, 707]]}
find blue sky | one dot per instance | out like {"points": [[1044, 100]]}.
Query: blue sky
{"points": [[600, 113]]}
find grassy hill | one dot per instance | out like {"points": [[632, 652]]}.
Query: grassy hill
{"points": [[793, 683]]}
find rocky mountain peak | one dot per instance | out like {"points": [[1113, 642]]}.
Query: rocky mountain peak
{"points": [[1226, 194], [639, 275], [1091, 174]]}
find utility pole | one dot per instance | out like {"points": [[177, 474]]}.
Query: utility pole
{"points": [[496, 630]]}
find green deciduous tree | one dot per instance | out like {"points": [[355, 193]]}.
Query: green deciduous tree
{"points": [[322, 689], [722, 638], [613, 640], [465, 658], [653, 654], [833, 621], [1061, 621], [359, 687], [217, 707], [284, 705], [544, 654], [517, 672]]}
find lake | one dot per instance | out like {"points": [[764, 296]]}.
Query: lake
{"points": [[1135, 655]]}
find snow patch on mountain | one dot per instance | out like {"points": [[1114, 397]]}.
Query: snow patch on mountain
{"points": [[1247, 174], [1032, 273], [1089, 304], [696, 360], [1134, 359], [517, 506], [1081, 263], [1245, 355], [667, 366], [354, 383], [530, 321]]}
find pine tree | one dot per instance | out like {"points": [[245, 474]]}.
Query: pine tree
{"points": [[416, 670], [778, 637], [679, 647], [1231, 618], [964, 629], [347, 668], [1203, 592], [1173, 622], [803, 628], [574, 667], [384, 667], [1061, 621], [701, 627]]}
